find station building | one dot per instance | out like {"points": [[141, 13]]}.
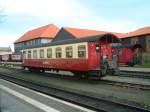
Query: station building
{"points": [[140, 36], [48, 33], [37, 36]]}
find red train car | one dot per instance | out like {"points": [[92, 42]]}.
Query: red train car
{"points": [[88, 56], [0, 57], [11, 57], [128, 54], [7, 57]]}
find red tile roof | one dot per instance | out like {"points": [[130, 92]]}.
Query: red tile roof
{"points": [[79, 33], [120, 35], [48, 31], [141, 31]]}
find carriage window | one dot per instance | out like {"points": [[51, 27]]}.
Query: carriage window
{"points": [[24, 54], [41, 53], [35, 54], [49, 53], [148, 41], [29, 54], [69, 52], [82, 51], [58, 52]]}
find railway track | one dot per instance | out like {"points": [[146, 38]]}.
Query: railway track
{"points": [[136, 74], [126, 84], [103, 81], [124, 73], [96, 104]]}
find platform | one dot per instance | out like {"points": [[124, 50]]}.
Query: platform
{"points": [[15, 98]]}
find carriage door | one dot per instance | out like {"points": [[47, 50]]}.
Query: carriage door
{"points": [[113, 58], [104, 56], [108, 57], [114, 61]]}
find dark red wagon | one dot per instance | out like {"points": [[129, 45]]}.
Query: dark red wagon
{"points": [[128, 54]]}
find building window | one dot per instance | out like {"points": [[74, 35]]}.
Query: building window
{"points": [[49, 53], [35, 54], [134, 41], [29, 54], [58, 52], [36, 42], [25, 43], [148, 41], [41, 53], [43, 41], [69, 52], [82, 51]]}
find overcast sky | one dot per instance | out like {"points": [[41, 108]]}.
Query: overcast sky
{"points": [[107, 15]]}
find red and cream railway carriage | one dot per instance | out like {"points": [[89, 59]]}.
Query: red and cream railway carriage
{"points": [[87, 56]]}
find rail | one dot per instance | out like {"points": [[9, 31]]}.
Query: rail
{"points": [[96, 104], [137, 74]]}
